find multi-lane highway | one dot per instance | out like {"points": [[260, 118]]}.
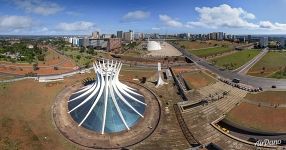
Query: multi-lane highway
{"points": [[265, 83]]}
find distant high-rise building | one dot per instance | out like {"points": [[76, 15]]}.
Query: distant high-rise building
{"points": [[249, 38], [263, 42], [216, 36], [156, 36], [213, 36], [75, 41], [128, 36], [95, 35], [138, 36], [83, 42], [281, 42], [98, 43], [104, 36], [80, 42], [70, 40], [183, 35], [219, 36], [107, 44], [120, 34]]}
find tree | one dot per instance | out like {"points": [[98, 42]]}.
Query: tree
{"points": [[81, 50], [35, 67], [90, 51], [78, 57], [56, 68], [41, 57]]}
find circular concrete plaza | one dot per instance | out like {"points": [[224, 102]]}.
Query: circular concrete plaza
{"points": [[90, 139]]}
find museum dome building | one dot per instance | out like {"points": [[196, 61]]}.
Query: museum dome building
{"points": [[153, 46]]}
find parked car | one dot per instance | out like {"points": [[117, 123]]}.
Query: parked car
{"points": [[235, 80]]}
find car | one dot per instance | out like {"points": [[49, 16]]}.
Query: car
{"points": [[225, 130], [235, 80], [273, 86]]}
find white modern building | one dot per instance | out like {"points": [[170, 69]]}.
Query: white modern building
{"points": [[153, 46], [95, 35], [107, 105], [70, 40], [160, 80]]}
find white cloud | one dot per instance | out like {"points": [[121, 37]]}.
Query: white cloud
{"points": [[77, 26], [15, 22], [230, 17], [170, 22], [40, 7], [21, 25], [272, 26], [136, 15], [223, 16]]}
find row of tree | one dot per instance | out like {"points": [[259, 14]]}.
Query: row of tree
{"points": [[22, 52]]}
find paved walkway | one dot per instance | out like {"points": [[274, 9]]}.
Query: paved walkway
{"points": [[244, 69], [198, 119]]}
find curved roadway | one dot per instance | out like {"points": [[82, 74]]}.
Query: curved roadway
{"points": [[265, 83]]}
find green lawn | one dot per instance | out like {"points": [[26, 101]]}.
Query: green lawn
{"points": [[271, 65], [235, 60], [192, 45], [83, 58], [210, 51]]}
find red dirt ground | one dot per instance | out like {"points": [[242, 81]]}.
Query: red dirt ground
{"points": [[259, 118], [197, 79], [25, 116], [272, 97], [182, 69]]}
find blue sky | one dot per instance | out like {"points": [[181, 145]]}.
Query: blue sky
{"points": [[51, 17]]}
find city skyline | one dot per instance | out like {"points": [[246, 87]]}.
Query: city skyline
{"points": [[37, 17]]}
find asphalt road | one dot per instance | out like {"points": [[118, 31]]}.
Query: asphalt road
{"points": [[265, 83]]}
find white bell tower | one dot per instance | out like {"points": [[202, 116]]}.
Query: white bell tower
{"points": [[160, 80]]}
